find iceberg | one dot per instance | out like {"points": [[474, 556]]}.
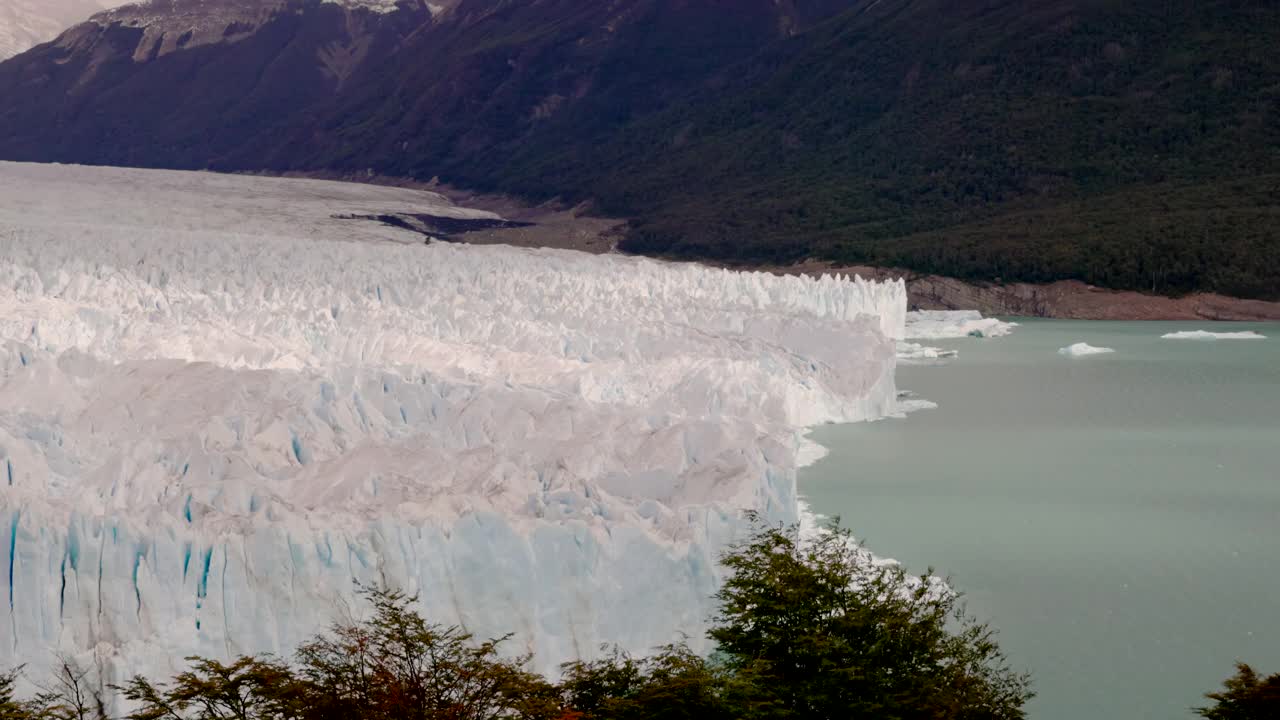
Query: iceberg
{"points": [[1206, 335], [1083, 349], [909, 402], [222, 408], [949, 324], [916, 353]]}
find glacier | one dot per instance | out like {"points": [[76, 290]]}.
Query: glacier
{"points": [[222, 408]]}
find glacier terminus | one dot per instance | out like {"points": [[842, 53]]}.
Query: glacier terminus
{"points": [[222, 409]]}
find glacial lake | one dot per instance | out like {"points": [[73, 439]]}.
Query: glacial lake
{"points": [[1116, 517]]}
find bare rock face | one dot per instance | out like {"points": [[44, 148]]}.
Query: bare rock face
{"points": [[1067, 299], [182, 82], [1076, 300], [399, 85], [170, 25]]}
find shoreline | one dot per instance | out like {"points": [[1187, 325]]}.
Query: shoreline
{"points": [[1138, 419], [557, 225], [1061, 300]]}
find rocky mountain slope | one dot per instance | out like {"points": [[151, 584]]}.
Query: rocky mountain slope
{"points": [[1128, 145], [177, 82], [236, 84]]}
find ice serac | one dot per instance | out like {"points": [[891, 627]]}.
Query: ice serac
{"points": [[221, 408]]}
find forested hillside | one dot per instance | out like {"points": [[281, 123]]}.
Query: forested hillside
{"points": [[1127, 144]]}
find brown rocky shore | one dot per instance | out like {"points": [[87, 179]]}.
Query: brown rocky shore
{"points": [[1067, 299]]}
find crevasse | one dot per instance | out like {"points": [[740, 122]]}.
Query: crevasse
{"points": [[221, 409]]}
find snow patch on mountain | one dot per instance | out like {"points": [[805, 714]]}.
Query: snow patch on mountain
{"points": [[27, 23], [172, 25], [378, 6], [221, 407]]}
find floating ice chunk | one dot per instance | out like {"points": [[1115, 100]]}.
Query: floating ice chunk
{"points": [[944, 324], [1206, 335], [1082, 349], [913, 352], [909, 402]]}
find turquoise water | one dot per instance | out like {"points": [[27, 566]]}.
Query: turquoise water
{"points": [[1116, 517]]}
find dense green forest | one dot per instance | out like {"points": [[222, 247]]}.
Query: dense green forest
{"points": [[1127, 144]]}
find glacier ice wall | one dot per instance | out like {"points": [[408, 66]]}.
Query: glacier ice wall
{"points": [[221, 408]]}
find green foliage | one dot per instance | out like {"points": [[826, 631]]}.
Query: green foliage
{"points": [[246, 689], [71, 697], [816, 630], [674, 684], [1245, 696], [1129, 145], [394, 666], [10, 707], [399, 667]]}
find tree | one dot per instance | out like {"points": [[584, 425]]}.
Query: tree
{"points": [[246, 689], [10, 707], [396, 666], [1245, 696], [674, 684], [808, 630], [71, 696], [70, 699], [815, 629]]}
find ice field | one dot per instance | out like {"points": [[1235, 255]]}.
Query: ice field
{"points": [[221, 408]]}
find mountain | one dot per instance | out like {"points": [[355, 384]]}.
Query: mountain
{"points": [[286, 83], [174, 82], [1127, 144], [1132, 145], [26, 23]]}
